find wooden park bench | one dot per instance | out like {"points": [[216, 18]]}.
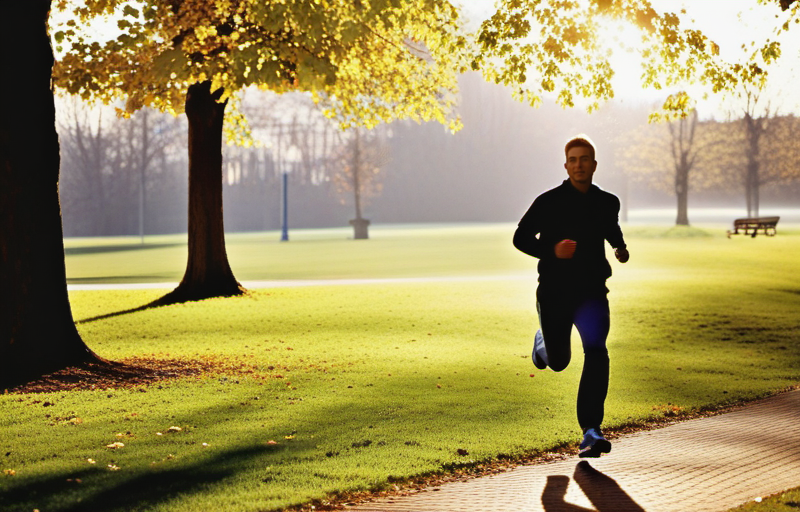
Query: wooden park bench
{"points": [[751, 226]]}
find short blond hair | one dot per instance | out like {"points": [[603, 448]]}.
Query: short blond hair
{"points": [[581, 141]]}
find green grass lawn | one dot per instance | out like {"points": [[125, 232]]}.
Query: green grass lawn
{"points": [[787, 501], [391, 252], [353, 387]]}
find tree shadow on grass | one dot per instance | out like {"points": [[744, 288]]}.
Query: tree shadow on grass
{"points": [[166, 300], [193, 476], [208, 475], [788, 290], [145, 307], [171, 298], [127, 279], [128, 373], [144, 490], [100, 249]]}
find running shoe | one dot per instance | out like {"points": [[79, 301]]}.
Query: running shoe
{"points": [[593, 444], [538, 347]]}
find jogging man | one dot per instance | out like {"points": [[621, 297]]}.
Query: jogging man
{"points": [[566, 228]]}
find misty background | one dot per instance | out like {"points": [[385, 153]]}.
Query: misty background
{"points": [[129, 176]]}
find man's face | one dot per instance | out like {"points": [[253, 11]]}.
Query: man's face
{"points": [[580, 166]]}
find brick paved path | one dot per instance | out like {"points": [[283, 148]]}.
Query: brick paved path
{"points": [[703, 465]]}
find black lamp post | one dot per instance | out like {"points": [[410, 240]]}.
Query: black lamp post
{"points": [[292, 159]]}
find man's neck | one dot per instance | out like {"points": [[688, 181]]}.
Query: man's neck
{"points": [[581, 187]]}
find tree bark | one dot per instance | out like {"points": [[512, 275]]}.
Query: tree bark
{"points": [[208, 273], [753, 130], [683, 155], [37, 331], [360, 224], [682, 192]]}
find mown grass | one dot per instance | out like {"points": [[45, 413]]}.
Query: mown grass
{"points": [[393, 251], [787, 501], [354, 387]]}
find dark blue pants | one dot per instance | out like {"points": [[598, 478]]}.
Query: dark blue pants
{"points": [[558, 312]]}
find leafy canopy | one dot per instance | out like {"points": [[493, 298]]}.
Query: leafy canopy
{"points": [[366, 60], [555, 46]]}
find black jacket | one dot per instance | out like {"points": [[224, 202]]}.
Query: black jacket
{"points": [[567, 213]]}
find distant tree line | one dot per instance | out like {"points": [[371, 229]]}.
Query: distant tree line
{"points": [[741, 157], [487, 172], [128, 176]]}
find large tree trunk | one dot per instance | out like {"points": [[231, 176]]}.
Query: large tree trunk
{"points": [[37, 332], [208, 273]]}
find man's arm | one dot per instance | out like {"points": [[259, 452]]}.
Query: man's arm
{"points": [[525, 240], [614, 234], [526, 237]]}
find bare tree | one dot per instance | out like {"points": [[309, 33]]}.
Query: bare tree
{"points": [[684, 150], [674, 157], [764, 148], [754, 126], [109, 165], [85, 153], [359, 165]]}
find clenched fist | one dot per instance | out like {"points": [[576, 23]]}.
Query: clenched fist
{"points": [[565, 249]]}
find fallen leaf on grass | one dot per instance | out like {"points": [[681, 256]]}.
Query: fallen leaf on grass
{"points": [[174, 429], [113, 467], [462, 451], [272, 442], [9, 472], [669, 409], [91, 461], [115, 446]]}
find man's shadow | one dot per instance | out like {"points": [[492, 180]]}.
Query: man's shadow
{"points": [[603, 491]]}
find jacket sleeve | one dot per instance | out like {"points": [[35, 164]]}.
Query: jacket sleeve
{"points": [[613, 231], [526, 237]]}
